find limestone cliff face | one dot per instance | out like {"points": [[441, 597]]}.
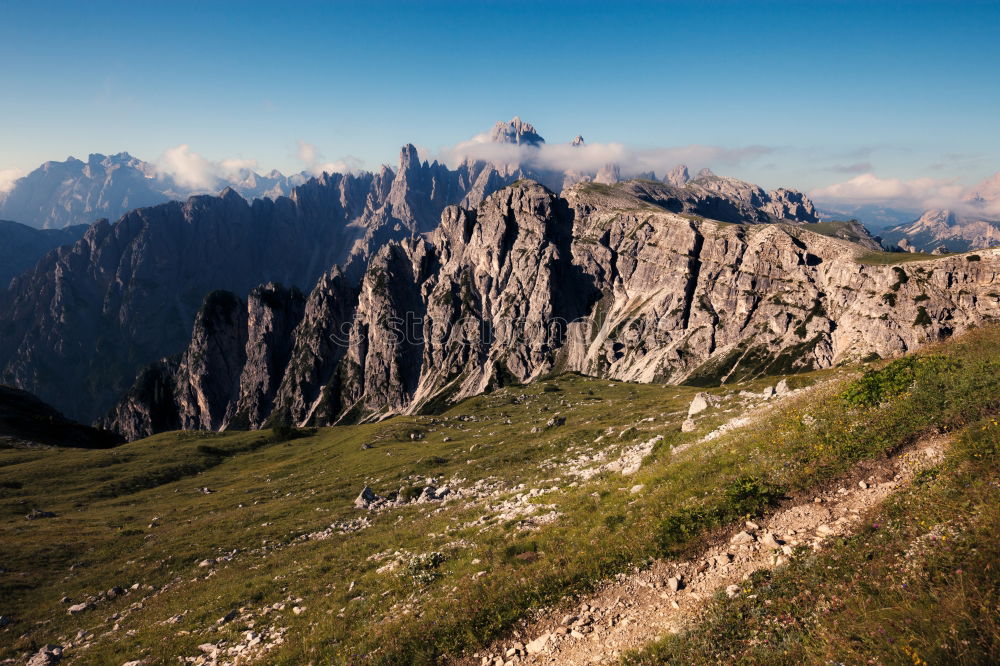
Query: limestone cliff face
{"points": [[697, 301], [310, 388], [627, 282], [230, 373], [273, 314], [210, 371], [77, 327]]}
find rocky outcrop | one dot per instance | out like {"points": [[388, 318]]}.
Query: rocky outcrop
{"points": [[678, 176], [235, 363], [210, 371], [610, 281], [781, 204], [310, 388], [273, 313]]}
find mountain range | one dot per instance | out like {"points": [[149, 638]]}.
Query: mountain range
{"points": [[71, 192], [943, 230], [637, 281], [221, 312], [972, 223]]}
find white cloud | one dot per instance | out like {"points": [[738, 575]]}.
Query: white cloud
{"points": [[590, 157], [7, 178], [189, 169], [308, 152], [195, 173], [869, 188], [918, 193], [313, 161], [236, 168]]}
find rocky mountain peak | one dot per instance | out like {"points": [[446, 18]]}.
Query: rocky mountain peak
{"points": [[578, 140], [408, 157], [517, 132], [229, 194], [678, 176]]}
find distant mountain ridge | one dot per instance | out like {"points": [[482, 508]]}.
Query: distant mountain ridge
{"points": [[972, 223], [22, 246], [944, 231], [27, 420], [875, 217], [71, 192]]}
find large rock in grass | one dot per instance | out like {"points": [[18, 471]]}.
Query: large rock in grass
{"points": [[700, 403], [366, 498], [47, 656]]}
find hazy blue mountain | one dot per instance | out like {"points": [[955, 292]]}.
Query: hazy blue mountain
{"points": [[22, 246], [873, 216], [60, 194]]}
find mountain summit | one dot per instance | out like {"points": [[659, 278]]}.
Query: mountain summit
{"points": [[517, 132]]}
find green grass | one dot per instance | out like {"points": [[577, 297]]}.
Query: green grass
{"points": [[918, 584], [833, 229], [268, 492]]}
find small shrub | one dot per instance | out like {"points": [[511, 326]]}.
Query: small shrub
{"points": [[680, 527], [973, 257], [212, 451], [922, 319], [877, 386], [423, 568], [282, 428], [410, 493], [901, 278], [517, 549], [745, 496], [749, 495]]}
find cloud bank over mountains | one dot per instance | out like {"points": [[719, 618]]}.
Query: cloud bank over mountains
{"points": [[918, 193], [314, 162], [180, 170], [8, 178], [192, 171], [591, 157]]}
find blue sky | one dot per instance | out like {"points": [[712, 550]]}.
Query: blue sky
{"points": [[821, 92]]}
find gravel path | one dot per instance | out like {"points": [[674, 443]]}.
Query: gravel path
{"points": [[633, 610]]}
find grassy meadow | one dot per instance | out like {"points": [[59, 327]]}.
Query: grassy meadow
{"points": [[539, 510]]}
